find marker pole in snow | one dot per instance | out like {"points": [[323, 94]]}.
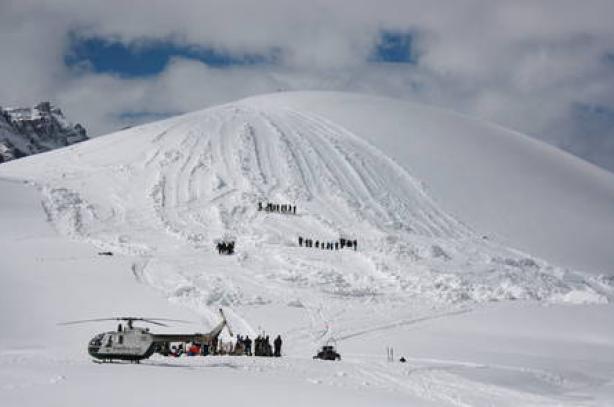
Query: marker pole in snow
{"points": [[389, 353]]}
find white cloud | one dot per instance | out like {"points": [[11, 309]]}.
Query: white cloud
{"points": [[524, 64]]}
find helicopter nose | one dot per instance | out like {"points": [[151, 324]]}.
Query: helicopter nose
{"points": [[93, 350]]}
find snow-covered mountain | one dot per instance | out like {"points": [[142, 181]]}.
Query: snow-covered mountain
{"points": [[27, 131], [450, 215]]}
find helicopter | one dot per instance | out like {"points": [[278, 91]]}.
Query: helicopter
{"points": [[134, 344]]}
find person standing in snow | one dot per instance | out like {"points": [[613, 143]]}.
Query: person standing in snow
{"points": [[355, 244], [267, 347], [277, 345], [258, 348], [300, 241], [248, 345]]}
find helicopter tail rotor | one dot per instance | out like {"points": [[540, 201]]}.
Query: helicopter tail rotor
{"points": [[225, 321]]}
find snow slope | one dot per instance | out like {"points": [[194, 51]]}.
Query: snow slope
{"points": [[527, 193], [449, 213]]}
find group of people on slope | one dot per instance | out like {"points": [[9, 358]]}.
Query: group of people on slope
{"points": [[280, 208], [342, 243], [224, 247]]}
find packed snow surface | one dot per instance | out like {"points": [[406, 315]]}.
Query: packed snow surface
{"points": [[449, 215]]}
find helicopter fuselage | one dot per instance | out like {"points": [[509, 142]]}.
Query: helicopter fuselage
{"points": [[131, 344]]}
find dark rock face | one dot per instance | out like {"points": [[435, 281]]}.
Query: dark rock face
{"points": [[27, 131]]}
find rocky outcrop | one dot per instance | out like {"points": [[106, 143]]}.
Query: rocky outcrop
{"points": [[27, 131]]}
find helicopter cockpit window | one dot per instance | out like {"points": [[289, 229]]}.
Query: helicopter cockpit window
{"points": [[109, 341], [97, 340]]}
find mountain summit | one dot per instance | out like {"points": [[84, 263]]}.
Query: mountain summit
{"points": [[27, 131]]}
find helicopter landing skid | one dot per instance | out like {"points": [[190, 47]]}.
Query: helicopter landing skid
{"points": [[102, 362]]}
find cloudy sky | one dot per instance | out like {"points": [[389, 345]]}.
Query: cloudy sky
{"points": [[545, 68]]}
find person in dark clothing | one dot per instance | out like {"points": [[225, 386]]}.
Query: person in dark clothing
{"points": [[261, 346], [257, 343], [259, 205], [300, 241], [277, 344], [294, 209], [248, 345], [342, 242], [267, 347], [317, 244], [336, 245], [355, 245]]}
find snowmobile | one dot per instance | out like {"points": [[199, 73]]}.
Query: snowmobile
{"points": [[328, 352], [134, 344]]}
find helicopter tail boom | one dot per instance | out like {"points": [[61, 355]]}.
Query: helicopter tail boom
{"points": [[197, 337]]}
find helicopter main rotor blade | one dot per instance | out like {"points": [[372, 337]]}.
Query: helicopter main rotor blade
{"points": [[147, 320], [164, 319], [83, 321], [152, 322]]}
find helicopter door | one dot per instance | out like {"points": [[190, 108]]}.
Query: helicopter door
{"points": [[109, 342]]}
